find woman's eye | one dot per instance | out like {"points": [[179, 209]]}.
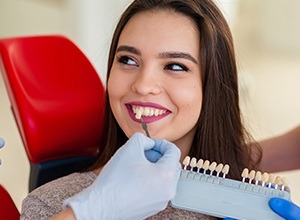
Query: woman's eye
{"points": [[127, 60], [176, 67]]}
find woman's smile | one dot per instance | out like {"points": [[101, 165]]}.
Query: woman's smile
{"points": [[149, 111]]}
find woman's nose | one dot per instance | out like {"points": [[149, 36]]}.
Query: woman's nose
{"points": [[147, 82]]}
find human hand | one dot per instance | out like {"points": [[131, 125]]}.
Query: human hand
{"points": [[1, 142], [1, 145], [285, 209], [153, 155], [130, 186]]}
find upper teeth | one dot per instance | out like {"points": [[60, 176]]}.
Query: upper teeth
{"points": [[146, 111]]}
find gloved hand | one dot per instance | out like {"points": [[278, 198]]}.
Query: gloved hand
{"points": [[153, 155], [130, 186], [285, 209], [1, 145], [1, 142]]}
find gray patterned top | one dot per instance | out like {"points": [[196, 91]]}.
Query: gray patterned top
{"points": [[46, 201]]}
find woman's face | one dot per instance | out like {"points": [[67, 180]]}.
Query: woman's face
{"points": [[156, 71]]}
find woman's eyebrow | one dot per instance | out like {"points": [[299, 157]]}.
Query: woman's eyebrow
{"points": [[164, 55], [187, 56], [128, 49]]}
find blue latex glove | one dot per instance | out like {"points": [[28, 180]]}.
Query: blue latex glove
{"points": [[285, 209], [1, 145], [153, 155], [130, 186]]}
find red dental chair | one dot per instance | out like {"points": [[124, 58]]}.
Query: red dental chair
{"points": [[6, 203], [57, 99]]}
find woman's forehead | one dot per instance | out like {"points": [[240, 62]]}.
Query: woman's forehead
{"points": [[161, 31]]}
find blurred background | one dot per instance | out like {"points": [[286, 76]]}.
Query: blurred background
{"points": [[267, 40]]}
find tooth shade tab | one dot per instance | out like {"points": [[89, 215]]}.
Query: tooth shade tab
{"points": [[199, 165], [225, 170], [278, 182], [205, 166], [271, 180], [265, 178], [186, 162], [284, 183], [212, 167], [193, 163], [138, 114], [245, 174], [258, 177], [219, 168], [251, 175]]}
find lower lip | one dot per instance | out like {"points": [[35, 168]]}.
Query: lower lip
{"points": [[146, 119]]}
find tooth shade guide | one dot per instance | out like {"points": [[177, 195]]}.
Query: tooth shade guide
{"points": [[191, 194], [255, 177]]}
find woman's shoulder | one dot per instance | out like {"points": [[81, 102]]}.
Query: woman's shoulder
{"points": [[65, 186], [47, 200]]}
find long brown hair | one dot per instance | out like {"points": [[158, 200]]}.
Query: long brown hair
{"points": [[220, 135]]}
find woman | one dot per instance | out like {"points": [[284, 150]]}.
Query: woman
{"points": [[173, 61]]}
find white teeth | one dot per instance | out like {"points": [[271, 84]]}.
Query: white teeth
{"points": [[151, 111], [147, 111]]}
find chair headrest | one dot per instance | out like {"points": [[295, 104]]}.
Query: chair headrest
{"points": [[56, 95]]}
